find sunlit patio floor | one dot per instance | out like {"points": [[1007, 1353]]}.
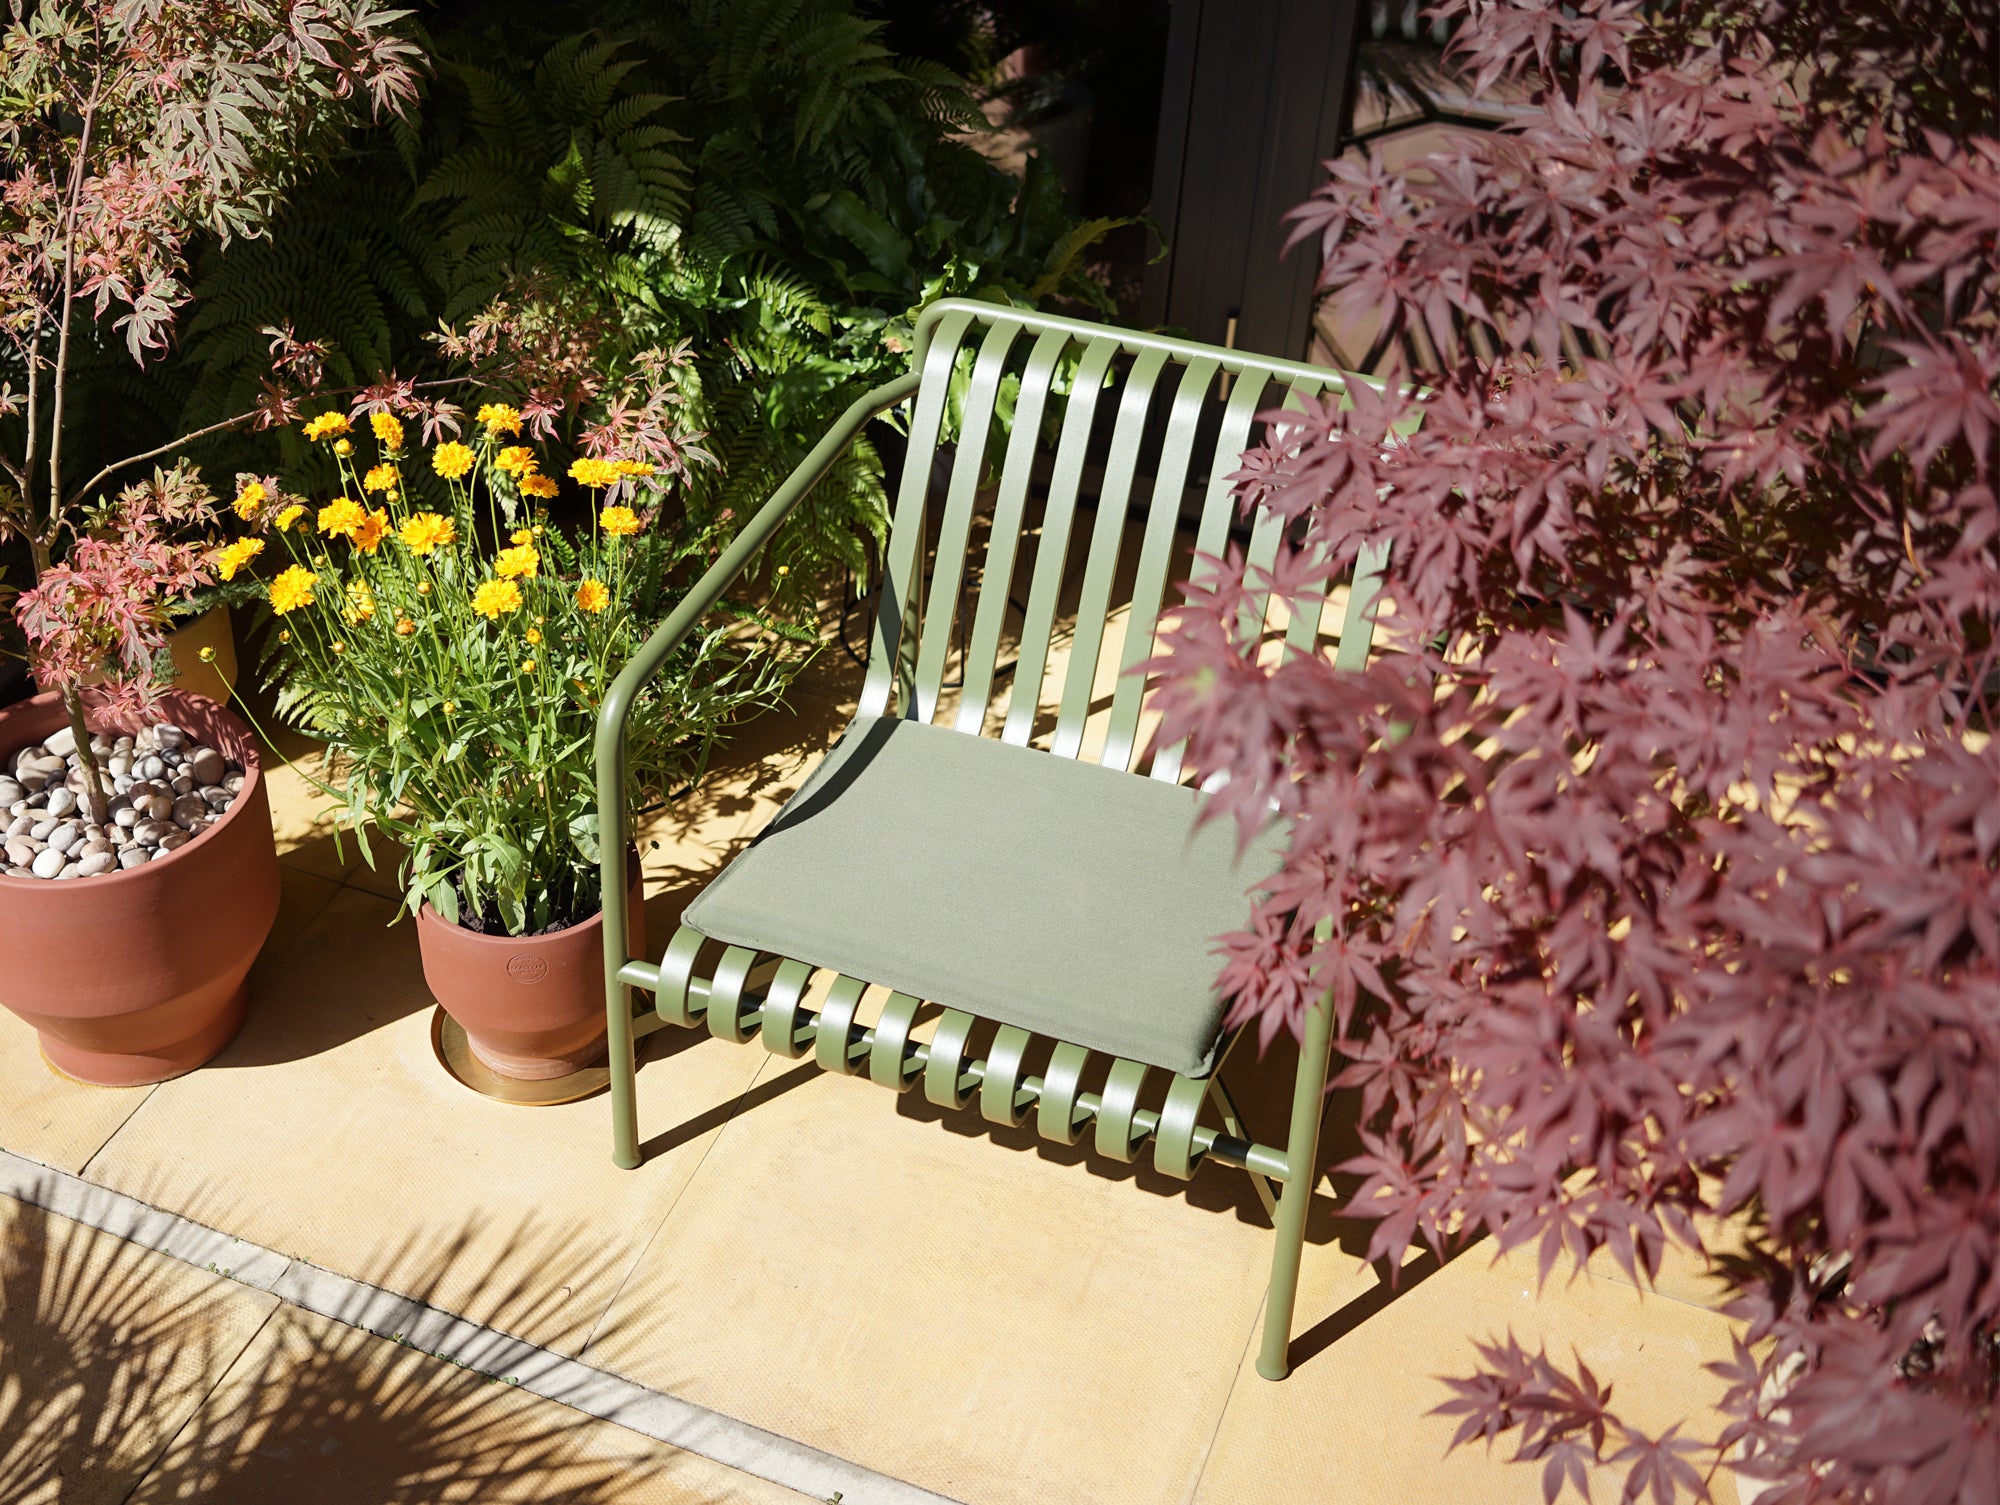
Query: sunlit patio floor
{"points": [[945, 1304]]}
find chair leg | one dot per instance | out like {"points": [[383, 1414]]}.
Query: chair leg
{"points": [[618, 1035], [1301, 1152], [624, 1077]]}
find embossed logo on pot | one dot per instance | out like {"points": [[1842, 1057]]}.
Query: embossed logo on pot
{"points": [[525, 966]]}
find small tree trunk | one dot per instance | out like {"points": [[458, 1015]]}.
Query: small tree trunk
{"points": [[94, 797]]}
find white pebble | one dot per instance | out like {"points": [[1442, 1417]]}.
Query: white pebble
{"points": [[62, 801], [61, 742], [133, 855], [95, 863], [48, 863]]}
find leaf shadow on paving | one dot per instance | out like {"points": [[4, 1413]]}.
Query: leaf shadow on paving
{"points": [[125, 1375]]}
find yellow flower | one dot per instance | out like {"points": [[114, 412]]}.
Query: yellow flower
{"points": [[452, 460], [423, 587], [495, 597], [426, 531], [289, 516], [519, 561], [368, 537], [593, 473], [343, 447], [633, 467], [534, 485], [619, 522], [388, 430], [249, 499], [516, 459], [592, 596], [380, 478], [342, 518], [231, 559], [500, 419], [527, 666], [521, 535], [534, 635], [291, 590], [360, 601], [404, 627], [326, 423], [207, 655], [339, 647]]}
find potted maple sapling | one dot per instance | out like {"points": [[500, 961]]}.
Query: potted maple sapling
{"points": [[138, 876], [451, 638]]}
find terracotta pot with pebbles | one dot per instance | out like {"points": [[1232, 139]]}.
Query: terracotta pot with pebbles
{"points": [[125, 938]]}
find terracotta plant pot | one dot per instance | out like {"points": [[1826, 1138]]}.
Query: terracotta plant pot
{"points": [[532, 1006], [137, 976]]}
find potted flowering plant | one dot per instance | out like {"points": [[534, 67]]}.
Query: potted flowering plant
{"points": [[125, 129], [450, 640]]}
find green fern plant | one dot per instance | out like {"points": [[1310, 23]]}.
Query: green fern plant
{"points": [[761, 179]]}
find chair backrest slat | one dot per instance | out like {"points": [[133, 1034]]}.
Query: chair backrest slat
{"points": [[1218, 508], [896, 612], [1133, 560], [1003, 543], [1106, 541], [1052, 552], [1155, 558], [1357, 628], [975, 421]]}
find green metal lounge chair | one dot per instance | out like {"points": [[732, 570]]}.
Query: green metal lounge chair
{"points": [[1028, 888]]}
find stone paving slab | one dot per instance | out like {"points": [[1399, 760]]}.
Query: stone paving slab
{"points": [[317, 1413], [1351, 1422], [106, 1350]]}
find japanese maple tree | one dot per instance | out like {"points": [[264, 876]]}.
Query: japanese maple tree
{"points": [[127, 127], [1650, 871]]}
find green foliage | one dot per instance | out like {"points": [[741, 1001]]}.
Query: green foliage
{"points": [[761, 179]]}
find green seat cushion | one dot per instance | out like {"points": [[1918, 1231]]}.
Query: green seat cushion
{"points": [[1071, 900]]}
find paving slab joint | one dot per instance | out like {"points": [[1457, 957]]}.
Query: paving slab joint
{"points": [[494, 1355]]}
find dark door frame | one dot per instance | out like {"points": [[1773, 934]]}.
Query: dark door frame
{"points": [[1257, 95]]}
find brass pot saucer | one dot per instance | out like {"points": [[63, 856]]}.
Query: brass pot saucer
{"points": [[454, 1053]]}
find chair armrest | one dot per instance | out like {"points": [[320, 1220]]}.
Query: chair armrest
{"points": [[618, 700]]}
